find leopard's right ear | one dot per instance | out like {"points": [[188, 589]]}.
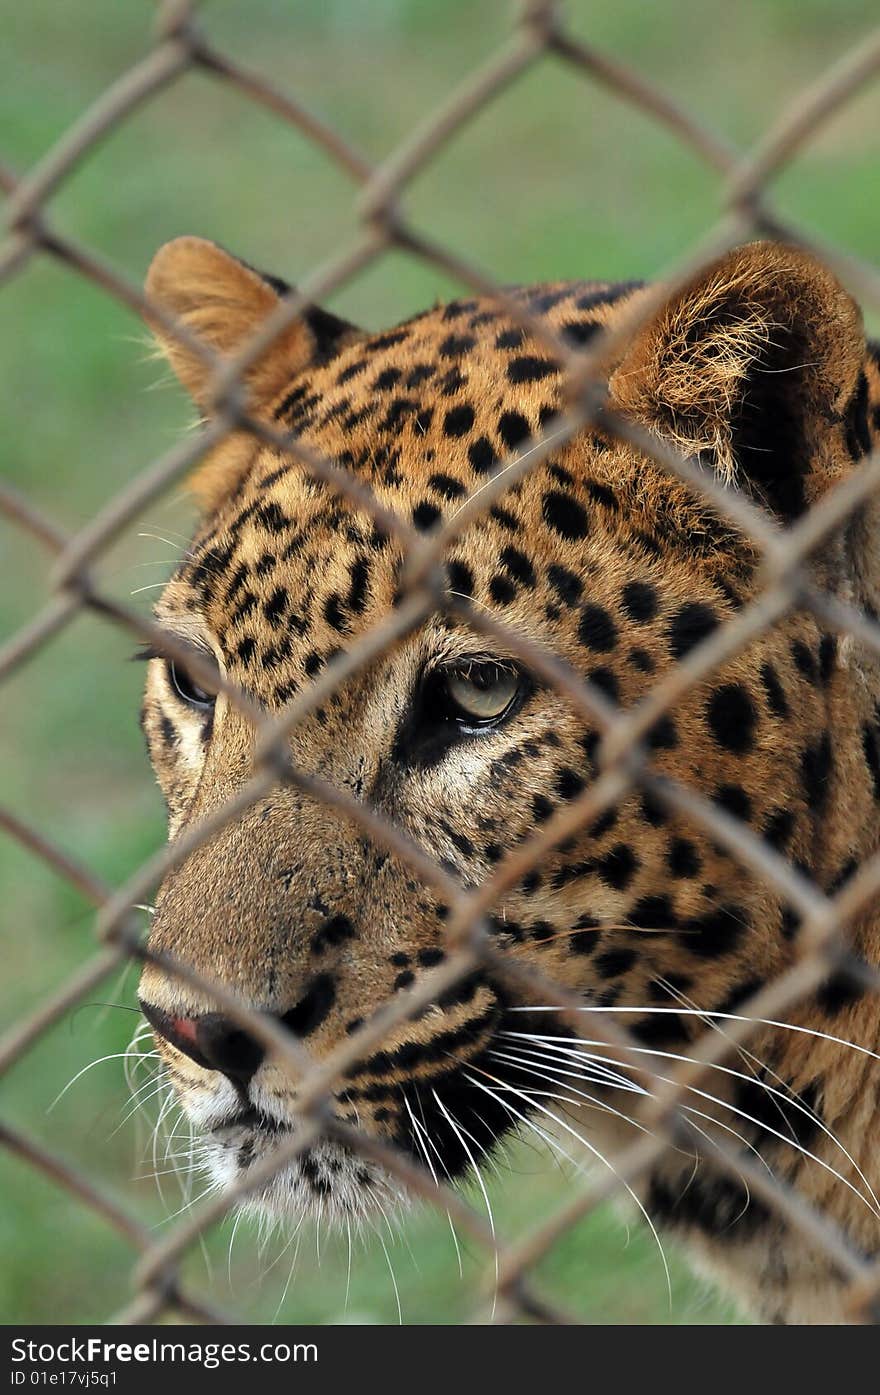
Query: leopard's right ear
{"points": [[223, 301]]}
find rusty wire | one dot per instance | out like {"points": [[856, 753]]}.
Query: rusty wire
{"points": [[538, 34]]}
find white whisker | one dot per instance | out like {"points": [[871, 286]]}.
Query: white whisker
{"points": [[393, 1277], [599, 1157], [113, 1056], [460, 1131], [563, 1046], [728, 1016], [295, 1237], [752, 1062], [419, 1131], [555, 1074], [348, 1266]]}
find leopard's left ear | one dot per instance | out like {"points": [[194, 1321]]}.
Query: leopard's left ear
{"points": [[759, 366], [222, 301]]}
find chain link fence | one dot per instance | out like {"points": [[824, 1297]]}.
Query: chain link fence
{"points": [[539, 32]]}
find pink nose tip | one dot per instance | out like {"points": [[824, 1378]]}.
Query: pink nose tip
{"points": [[211, 1040], [183, 1028]]}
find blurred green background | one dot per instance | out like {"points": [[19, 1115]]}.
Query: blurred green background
{"points": [[557, 178]]}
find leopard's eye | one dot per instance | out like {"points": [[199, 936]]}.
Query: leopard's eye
{"points": [[187, 689], [459, 700], [481, 694]]}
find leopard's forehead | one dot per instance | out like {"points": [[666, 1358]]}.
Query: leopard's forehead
{"points": [[288, 571]]}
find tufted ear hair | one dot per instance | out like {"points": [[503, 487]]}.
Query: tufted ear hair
{"points": [[223, 301], [758, 365]]}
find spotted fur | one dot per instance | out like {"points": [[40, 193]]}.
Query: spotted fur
{"points": [[759, 367]]}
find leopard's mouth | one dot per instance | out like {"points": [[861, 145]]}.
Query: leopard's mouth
{"points": [[329, 1178], [324, 1178], [253, 1120], [447, 1123]]}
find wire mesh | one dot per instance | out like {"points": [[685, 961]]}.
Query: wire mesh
{"points": [[538, 32]]}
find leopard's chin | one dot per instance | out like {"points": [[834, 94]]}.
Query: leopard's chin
{"points": [[325, 1179]]}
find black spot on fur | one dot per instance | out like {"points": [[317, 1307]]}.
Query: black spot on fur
{"points": [[615, 962], [735, 801], [542, 808], [717, 932], [816, 766], [804, 660], [313, 1007], [639, 600], [530, 369], [716, 1205], [683, 859], [388, 340], [386, 379], [596, 629], [568, 783], [564, 515], [731, 715], [778, 828], [776, 699], [420, 373], [605, 681], [871, 749], [335, 931], [653, 812], [827, 657], [641, 660], [662, 736], [246, 649], [482, 456], [447, 486], [606, 295], [275, 606], [518, 565], [601, 494], [691, 624], [458, 420], [839, 990], [461, 578], [580, 332], [775, 1108], [652, 913], [272, 518], [455, 345], [513, 429], [566, 585], [505, 518], [502, 590], [618, 866], [586, 938], [168, 732], [425, 515], [334, 613], [661, 1029], [510, 339]]}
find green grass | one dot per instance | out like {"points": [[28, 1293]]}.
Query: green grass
{"points": [[558, 178]]}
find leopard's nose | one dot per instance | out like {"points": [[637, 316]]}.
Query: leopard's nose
{"points": [[213, 1041]]}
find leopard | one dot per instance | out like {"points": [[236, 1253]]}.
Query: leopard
{"points": [[756, 369]]}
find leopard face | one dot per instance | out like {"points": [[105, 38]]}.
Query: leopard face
{"points": [[760, 369]]}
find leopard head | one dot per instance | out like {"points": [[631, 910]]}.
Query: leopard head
{"points": [[757, 370]]}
